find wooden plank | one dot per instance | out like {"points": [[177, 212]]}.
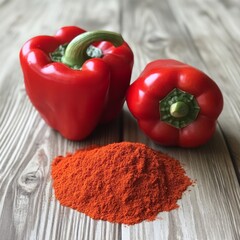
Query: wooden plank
{"points": [[178, 30], [215, 41], [28, 208]]}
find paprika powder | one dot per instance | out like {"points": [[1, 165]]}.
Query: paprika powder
{"points": [[120, 182]]}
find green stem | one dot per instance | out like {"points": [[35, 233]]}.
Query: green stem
{"points": [[179, 109], [76, 51]]}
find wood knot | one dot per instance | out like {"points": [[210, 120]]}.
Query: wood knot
{"points": [[29, 181]]}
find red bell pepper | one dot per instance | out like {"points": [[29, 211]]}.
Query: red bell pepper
{"points": [[77, 79], [175, 104]]}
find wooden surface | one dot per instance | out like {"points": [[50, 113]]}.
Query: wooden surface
{"points": [[204, 34]]}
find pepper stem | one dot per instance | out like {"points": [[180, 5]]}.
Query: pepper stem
{"points": [[179, 109], [76, 52]]}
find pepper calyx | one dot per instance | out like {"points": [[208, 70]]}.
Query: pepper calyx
{"points": [[80, 49], [178, 108]]}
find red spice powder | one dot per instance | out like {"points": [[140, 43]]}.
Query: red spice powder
{"points": [[120, 182]]}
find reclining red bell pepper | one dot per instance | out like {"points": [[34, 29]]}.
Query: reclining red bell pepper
{"points": [[77, 79], [175, 104]]}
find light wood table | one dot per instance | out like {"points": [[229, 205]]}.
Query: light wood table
{"points": [[205, 34]]}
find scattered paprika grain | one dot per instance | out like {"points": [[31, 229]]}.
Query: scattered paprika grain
{"points": [[120, 182]]}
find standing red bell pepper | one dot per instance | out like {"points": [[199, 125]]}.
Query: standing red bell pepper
{"points": [[73, 84], [175, 104]]}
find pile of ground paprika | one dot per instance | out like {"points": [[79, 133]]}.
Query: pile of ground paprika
{"points": [[121, 182]]}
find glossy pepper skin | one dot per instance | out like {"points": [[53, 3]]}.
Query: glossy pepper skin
{"points": [[74, 101], [175, 104]]}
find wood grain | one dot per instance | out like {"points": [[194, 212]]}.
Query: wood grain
{"points": [[204, 34]]}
